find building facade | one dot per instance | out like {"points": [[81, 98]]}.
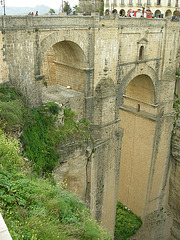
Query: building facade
{"points": [[159, 8]]}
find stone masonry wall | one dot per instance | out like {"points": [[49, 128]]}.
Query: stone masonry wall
{"points": [[4, 68]]}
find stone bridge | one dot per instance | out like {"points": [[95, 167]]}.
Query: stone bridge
{"points": [[125, 70]]}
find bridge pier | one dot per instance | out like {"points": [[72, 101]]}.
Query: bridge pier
{"points": [[106, 159]]}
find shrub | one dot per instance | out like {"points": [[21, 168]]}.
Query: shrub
{"points": [[127, 223], [9, 152], [11, 112], [11, 107], [41, 137]]}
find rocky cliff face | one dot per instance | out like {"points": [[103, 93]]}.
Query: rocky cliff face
{"points": [[174, 192]]}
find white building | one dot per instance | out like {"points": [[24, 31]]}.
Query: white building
{"points": [[4, 233], [159, 8]]}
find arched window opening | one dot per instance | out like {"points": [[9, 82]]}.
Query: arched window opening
{"points": [[114, 11], [168, 13], [141, 53], [158, 14], [122, 12], [107, 12]]}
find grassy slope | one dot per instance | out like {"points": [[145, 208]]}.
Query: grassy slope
{"points": [[35, 207]]}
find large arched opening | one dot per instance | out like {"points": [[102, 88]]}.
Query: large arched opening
{"points": [[136, 115], [64, 64]]}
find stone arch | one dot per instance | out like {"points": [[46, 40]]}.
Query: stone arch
{"points": [[140, 69], [157, 13], [60, 36], [64, 63], [141, 88], [122, 12], [168, 13], [137, 142]]}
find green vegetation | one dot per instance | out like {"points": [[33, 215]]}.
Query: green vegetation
{"points": [[101, 9], [41, 137], [33, 207], [52, 11], [176, 107], [67, 8], [11, 107], [40, 140], [176, 13], [177, 74], [76, 9], [86, 8], [127, 223]]}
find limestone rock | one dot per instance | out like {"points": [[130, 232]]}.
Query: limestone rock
{"points": [[174, 193]]}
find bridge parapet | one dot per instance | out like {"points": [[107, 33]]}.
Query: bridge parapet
{"points": [[45, 22], [58, 21]]}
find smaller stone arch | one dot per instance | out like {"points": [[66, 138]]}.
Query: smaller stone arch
{"points": [[168, 13], [122, 13], [157, 13]]}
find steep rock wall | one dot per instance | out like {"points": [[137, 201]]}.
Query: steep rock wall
{"points": [[174, 192]]}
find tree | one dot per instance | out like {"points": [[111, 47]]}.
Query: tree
{"points": [[51, 11], [67, 8], [76, 9], [86, 8], [101, 8]]}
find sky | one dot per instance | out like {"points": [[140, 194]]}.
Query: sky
{"points": [[55, 4]]}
